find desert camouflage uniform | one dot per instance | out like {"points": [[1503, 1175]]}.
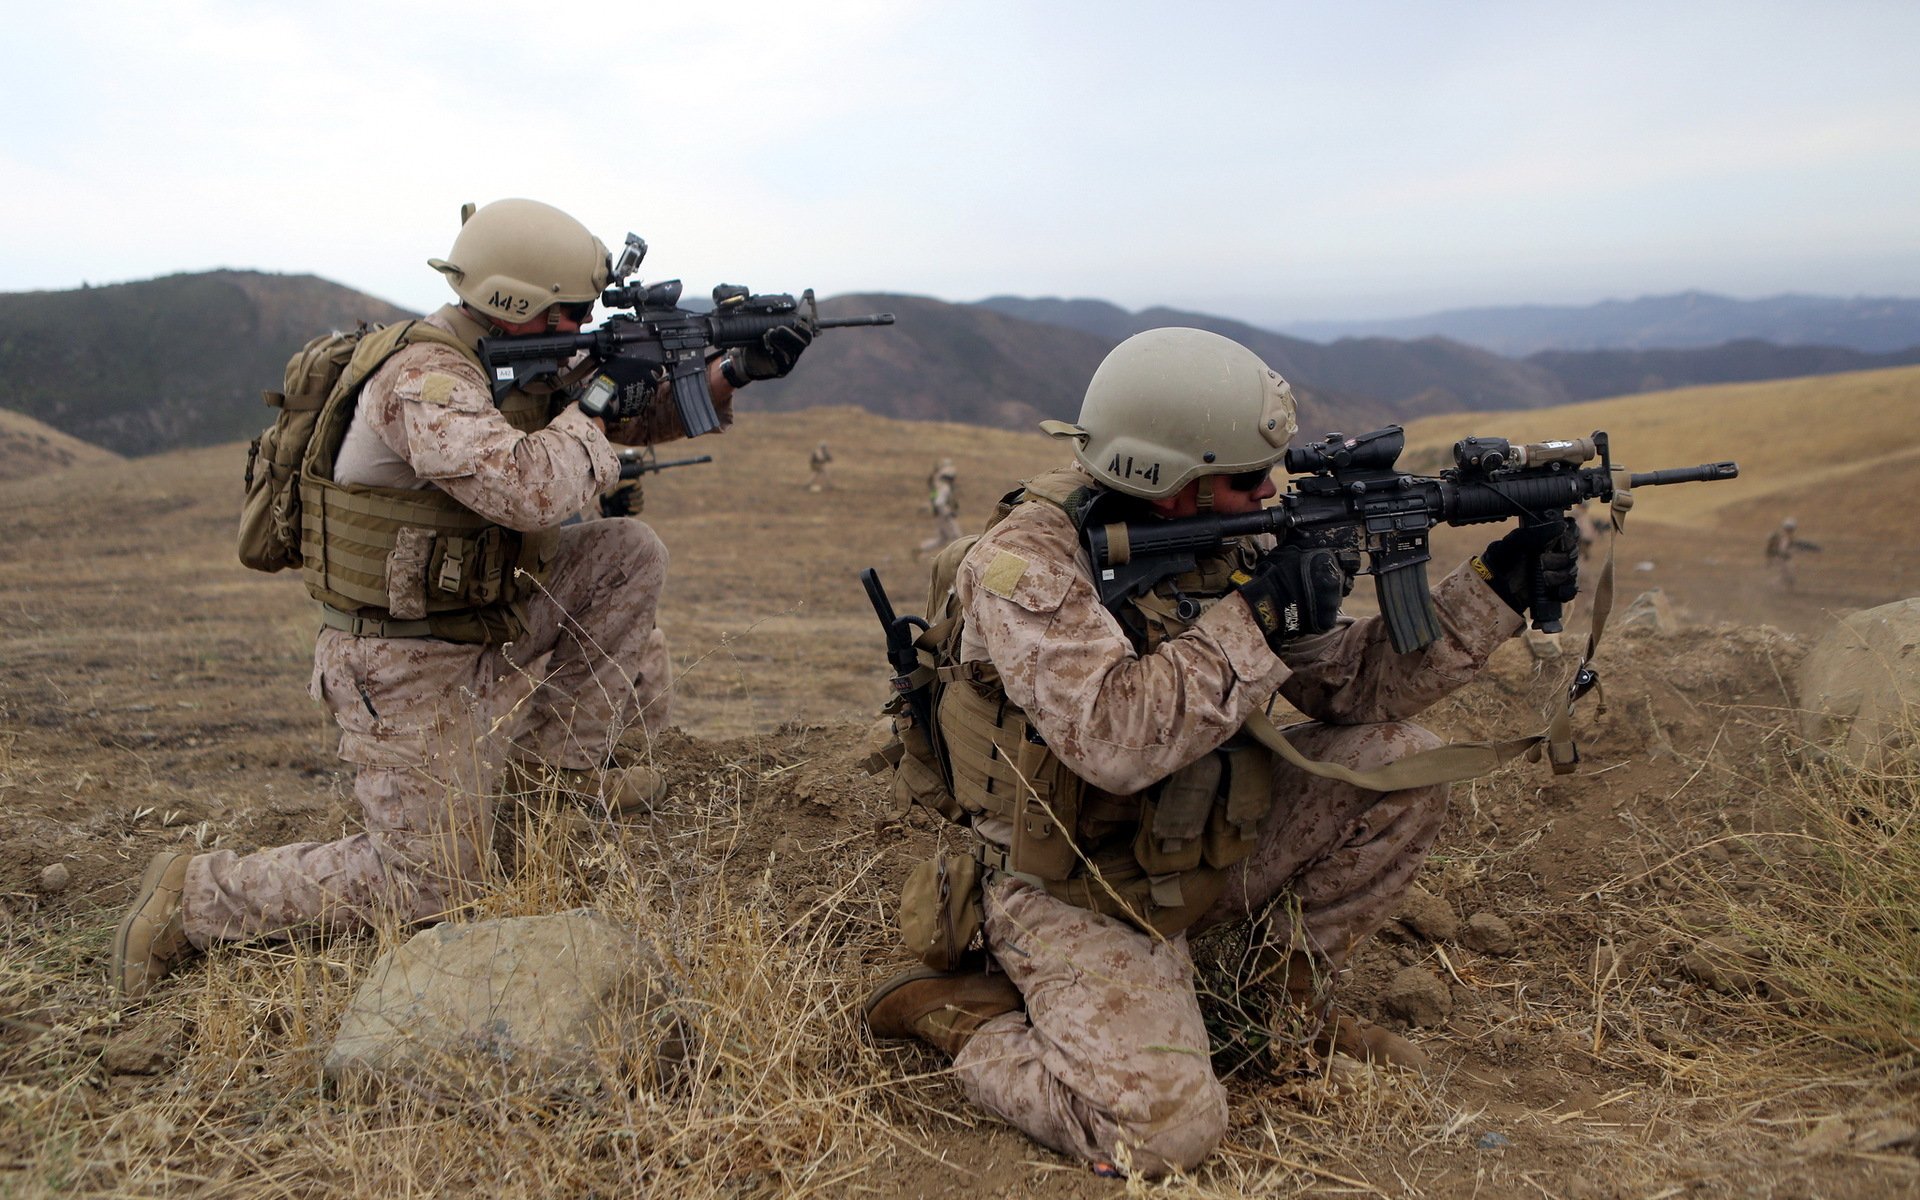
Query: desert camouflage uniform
{"points": [[818, 461], [1110, 1057], [429, 724], [945, 507]]}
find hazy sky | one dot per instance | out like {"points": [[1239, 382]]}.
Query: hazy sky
{"points": [[1268, 161]]}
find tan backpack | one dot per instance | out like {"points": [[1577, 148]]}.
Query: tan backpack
{"points": [[270, 514]]}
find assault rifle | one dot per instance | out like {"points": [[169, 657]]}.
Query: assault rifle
{"points": [[670, 342], [1350, 492], [635, 462]]}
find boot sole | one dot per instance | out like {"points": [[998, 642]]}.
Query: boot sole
{"points": [[150, 881], [895, 984]]}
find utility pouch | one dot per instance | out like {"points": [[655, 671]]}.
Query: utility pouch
{"points": [[1233, 828], [940, 911], [1174, 824], [1046, 814], [270, 510], [916, 776]]}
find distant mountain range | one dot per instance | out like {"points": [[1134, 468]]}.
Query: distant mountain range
{"points": [[1875, 325], [180, 361]]}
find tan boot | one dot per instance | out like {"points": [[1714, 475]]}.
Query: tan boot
{"points": [[1309, 983], [942, 1008], [626, 791], [150, 938]]}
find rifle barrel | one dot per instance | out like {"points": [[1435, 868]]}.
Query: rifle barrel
{"points": [[1705, 473], [846, 322]]}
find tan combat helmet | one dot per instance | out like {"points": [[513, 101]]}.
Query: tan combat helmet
{"points": [[513, 259], [1170, 405]]}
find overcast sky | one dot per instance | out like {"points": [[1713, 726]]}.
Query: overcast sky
{"points": [[1266, 161]]}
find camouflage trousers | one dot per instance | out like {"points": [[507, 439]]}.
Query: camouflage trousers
{"points": [[429, 725], [1110, 1059], [946, 530]]}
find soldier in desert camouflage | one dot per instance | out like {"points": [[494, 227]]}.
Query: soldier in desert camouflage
{"points": [[540, 646], [817, 462], [1083, 1028], [944, 504], [1782, 544]]}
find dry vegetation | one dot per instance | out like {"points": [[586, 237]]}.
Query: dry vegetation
{"points": [[1712, 990]]}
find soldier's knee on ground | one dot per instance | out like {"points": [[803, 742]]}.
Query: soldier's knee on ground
{"points": [[1185, 1120]]}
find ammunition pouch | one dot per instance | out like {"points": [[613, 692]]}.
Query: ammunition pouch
{"points": [[940, 910]]}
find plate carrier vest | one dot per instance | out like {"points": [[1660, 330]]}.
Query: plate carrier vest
{"points": [[1157, 859], [404, 562]]}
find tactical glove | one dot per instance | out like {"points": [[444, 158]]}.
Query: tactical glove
{"points": [[624, 499], [779, 348], [1294, 592], [1534, 562], [622, 389]]}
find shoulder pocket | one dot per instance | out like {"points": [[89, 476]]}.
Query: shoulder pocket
{"points": [[1037, 585]]}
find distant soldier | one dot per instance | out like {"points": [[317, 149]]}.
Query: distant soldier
{"points": [[944, 505], [1781, 545], [818, 460]]}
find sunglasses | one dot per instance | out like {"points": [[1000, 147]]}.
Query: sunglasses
{"points": [[579, 311], [1248, 481]]}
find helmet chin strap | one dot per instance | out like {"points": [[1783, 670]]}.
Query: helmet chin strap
{"points": [[483, 320], [1203, 497]]}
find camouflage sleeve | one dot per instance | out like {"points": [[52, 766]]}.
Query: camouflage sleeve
{"points": [[437, 414], [1118, 719], [1350, 675]]}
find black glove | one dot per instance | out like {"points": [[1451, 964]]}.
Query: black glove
{"points": [[620, 389], [1534, 561], [779, 348], [624, 499], [1295, 592]]}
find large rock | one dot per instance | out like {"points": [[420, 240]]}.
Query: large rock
{"points": [[1860, 686], [515, 1002], [1649, 613]]}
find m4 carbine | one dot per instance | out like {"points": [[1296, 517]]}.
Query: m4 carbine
{"points": [[1349, 492], [667, 341]]}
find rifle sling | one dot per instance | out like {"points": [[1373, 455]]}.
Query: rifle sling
{"points": [[1459, 761]]}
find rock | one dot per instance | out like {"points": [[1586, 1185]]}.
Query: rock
{"points": [[1724, 964], [1859, 682], [1650, 613], [1492, 1141], [1832, 1133], [1888, 1134], [510, 1003], [146, 1049], [55, 878], [1417, 997], [1489, 934], [1428, 915]]}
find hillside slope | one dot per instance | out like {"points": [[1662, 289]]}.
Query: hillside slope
{"points": [[164, 363], [29, 447]]}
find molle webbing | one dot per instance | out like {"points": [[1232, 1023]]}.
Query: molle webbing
{"points": [[357, 541]]}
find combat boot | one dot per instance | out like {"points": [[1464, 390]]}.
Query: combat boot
{"points": [[1308, 985], [942, 1008], [151, 939], [626, 791]]}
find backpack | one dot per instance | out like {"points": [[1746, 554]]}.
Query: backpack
{"points": [[270, 513]]}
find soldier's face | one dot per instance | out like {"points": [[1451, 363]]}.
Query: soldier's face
{"points": [[1232, 496]]}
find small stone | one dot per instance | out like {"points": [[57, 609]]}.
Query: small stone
{"points": [[1428, 915], [1890, 1134], [1417, 997], [1829, 1135], [1492, 1141], [1489, 934], [55, 878], [144, 1050]]}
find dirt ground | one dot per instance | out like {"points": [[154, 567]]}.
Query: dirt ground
{"points": [[152, 694]]}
